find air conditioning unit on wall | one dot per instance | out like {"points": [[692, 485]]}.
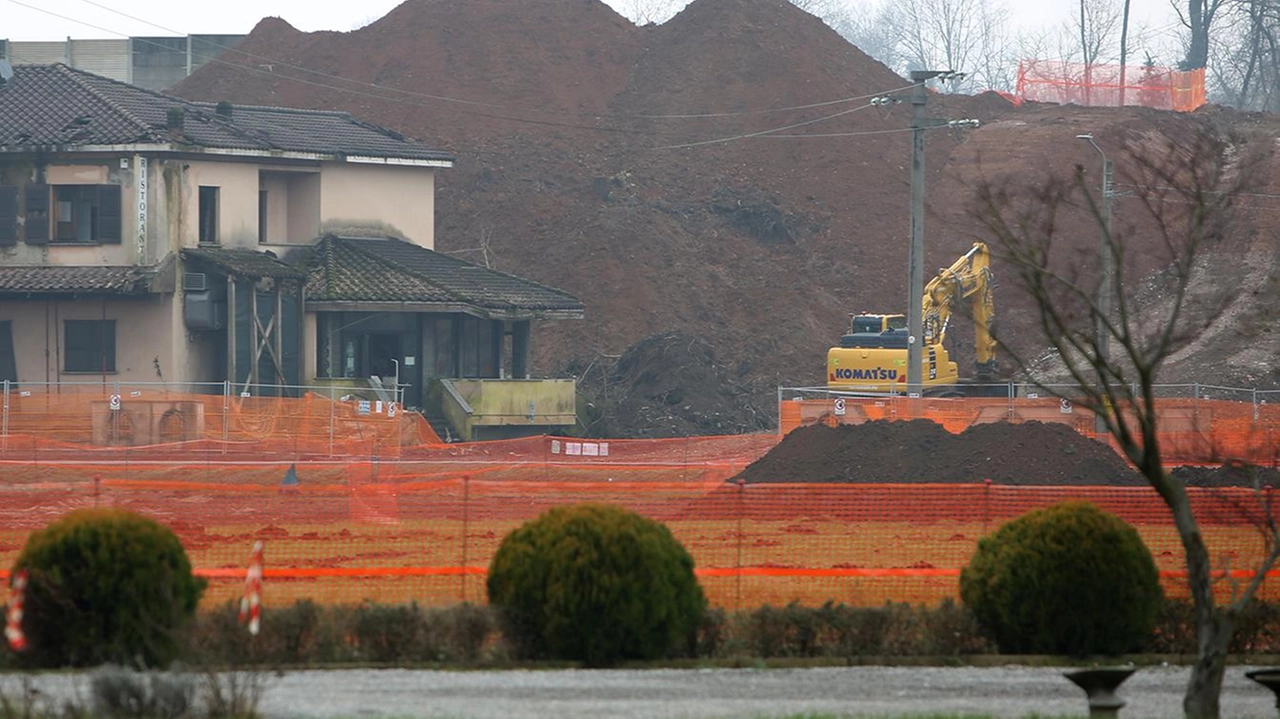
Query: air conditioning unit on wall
{"points": [[195, 281]]}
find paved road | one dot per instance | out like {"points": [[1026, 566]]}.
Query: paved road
{"points": [[673, 694], [1152, 693]]}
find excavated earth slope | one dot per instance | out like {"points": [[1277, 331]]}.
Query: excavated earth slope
{"points": [[588, 158]]}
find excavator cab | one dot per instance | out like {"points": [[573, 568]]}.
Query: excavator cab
{"points": [[868, 330]]}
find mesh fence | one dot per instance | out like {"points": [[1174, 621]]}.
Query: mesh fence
{"points": [[394, 533], [1101, 85], [359, 503], [1213, 424], [50, 423]]}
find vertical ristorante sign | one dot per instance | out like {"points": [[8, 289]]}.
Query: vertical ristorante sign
{"points": [[141, 208]]}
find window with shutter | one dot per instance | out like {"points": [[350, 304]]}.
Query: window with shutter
{"points": [[108, 230], [84, 214], [8, 215], [35, 228]]}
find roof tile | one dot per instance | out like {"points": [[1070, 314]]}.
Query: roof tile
{"points": [[55, 105], [52, 279], [244, 262], [382, 269]]}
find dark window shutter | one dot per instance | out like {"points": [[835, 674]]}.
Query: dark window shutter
{"points": [[8, 216], [108, 230], [36, 229]]}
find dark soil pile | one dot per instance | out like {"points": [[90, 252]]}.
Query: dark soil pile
{"points": [[1027, 453], [1230, 475], [669, 385]]}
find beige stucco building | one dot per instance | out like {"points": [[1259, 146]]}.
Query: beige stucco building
{"points": [[145, 238]]}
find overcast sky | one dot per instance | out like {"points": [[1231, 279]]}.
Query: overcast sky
{"points": [[59, 19]]}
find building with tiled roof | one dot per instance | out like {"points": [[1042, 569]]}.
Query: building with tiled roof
{"points": [[144, 237]]}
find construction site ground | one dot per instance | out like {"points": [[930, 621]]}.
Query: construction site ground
{"points": [[586, 160]]}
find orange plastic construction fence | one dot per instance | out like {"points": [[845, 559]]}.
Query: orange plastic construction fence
{"points": [[426, 531], [59, 422], [1191, 430], [358, 502], [1110, 85]]}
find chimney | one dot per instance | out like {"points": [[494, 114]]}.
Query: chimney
{"points": [[174, 120], [224, 109]]}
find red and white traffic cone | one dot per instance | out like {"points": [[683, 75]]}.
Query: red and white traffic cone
{"points": [[13, 614], [251, 602]]}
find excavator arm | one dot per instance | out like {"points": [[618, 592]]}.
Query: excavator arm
{"points": [[968, 278]]}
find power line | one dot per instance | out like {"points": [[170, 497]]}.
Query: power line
{"points": [[444, 98], [759, 133], [410, 95], [407, 101]]}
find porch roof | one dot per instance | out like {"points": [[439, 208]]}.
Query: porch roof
{"points": [[384, 271], [74, 280], [244, 262]]}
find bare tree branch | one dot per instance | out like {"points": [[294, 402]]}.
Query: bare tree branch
{"points": [[1186, 190]]}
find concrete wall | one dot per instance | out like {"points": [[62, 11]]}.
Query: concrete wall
{"points": [[391, 200], [155, 63], [144, 338], [109, 58], [237, 184]]}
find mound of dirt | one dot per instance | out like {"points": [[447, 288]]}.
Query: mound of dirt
{"points": [[1028, 453], [669, 385], [1229, 475]]}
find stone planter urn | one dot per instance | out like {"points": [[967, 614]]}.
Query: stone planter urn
{"points": [[1100, 686], [1269, 678]]}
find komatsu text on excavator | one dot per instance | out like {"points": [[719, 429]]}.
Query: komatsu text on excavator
{"points": [[872, 357]]}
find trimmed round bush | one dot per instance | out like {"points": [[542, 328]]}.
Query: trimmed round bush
{"points": [[106, 586], [1068, 579], [596, 584]]}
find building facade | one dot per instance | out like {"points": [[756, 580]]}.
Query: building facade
{"points": [[147, 238]]}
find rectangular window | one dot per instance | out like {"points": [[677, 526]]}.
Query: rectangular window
{"points": [[8, 215], [262, 216], [90, 346], [208, 214], [8, 367], [73, 214]]}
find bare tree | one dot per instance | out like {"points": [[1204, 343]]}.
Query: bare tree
{"points": [[1097, 24], [1244, 55], [1187, 192], [1198, 19], [643, 12], [970, 36], [864, 31]]}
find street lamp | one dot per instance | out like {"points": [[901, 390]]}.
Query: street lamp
{"points": [[1104, 266], [395, 386]]}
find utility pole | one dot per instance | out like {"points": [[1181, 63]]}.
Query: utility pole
{"points": [[915, 259]]}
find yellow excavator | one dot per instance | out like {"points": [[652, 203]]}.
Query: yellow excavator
{"points": [[872, 357]]}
